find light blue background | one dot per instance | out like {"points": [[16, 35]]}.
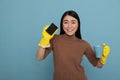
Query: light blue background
{"points": [[21, 23]]}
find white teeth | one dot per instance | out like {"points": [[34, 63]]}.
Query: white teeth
{"points": [[70, 30]]}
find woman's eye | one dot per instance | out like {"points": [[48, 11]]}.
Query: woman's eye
{"points": [[73, 22], [65, 22]]}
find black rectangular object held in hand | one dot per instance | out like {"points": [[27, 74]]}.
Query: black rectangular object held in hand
{"points": [[51, 29]]}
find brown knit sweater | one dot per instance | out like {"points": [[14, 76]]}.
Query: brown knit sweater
{"points": [[68, 52]]}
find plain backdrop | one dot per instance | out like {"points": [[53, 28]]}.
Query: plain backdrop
{"points": [[21, 23]]}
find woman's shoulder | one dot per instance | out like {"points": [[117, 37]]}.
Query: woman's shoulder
{"points": [[56, 36], [85, 42]]}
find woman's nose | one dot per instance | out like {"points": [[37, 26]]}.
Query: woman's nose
{"points": [[69, 25]]}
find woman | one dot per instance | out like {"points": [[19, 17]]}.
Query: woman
{"points": [[68, 49]]}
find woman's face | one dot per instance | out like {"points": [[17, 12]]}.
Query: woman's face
{"points": [[70, 25]]}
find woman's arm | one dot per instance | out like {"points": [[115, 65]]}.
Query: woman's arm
{"points": [[44, 44], [40, 53]]}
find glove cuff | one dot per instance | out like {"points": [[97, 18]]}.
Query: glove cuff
{"points": [[44, 43]]}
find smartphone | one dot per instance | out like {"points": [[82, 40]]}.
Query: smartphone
{"points": [[51, 29]]}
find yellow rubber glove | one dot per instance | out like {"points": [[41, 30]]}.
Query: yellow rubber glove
{"points": [[46, 37], [105, 53]]}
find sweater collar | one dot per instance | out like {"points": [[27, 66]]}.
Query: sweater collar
{"points": [[70, 37]]}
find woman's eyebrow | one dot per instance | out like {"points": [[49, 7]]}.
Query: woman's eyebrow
{"points": [[68, 20], [65, 20], [73, 20]]}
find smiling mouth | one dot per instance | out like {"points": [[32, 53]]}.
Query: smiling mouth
{"points": [[70, 30]]}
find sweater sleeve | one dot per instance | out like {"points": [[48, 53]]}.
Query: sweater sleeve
{"points": [[90, 54]]}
